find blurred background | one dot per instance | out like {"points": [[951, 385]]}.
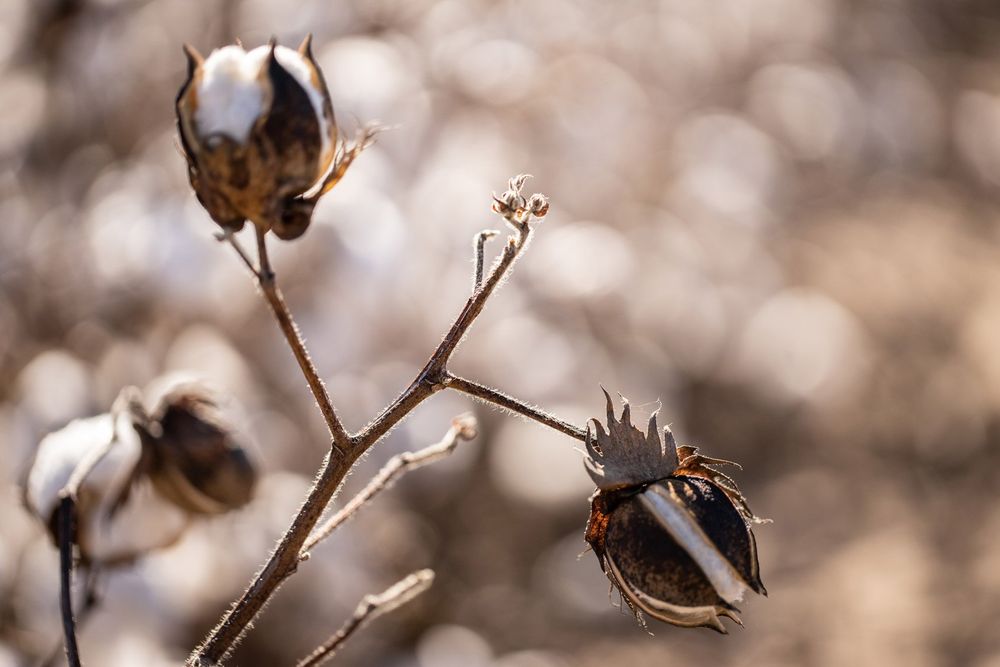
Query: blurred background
{"points": [[777, 218]]}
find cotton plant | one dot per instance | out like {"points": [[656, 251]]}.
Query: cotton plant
{"points": [[671, 531]]}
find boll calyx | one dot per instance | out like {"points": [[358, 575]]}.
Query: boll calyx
{"points": [[258, 131], [159, 469], [671, 533]]}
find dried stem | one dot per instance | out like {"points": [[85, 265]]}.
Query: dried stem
{"points": [[67, 534], [293, 336], [497, 398], [87, 604], [67, 516], [480, 244], [462, 428], [346, 449], [370, 608]]}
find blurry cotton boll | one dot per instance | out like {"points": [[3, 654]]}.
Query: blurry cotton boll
{"points": [[530, 659], [728, 167], [367, 76], [203, 349], [877, 601], [23, 98], [542, 355], [810, 107], [131, 649], [492, 71], [978, 342], [13, 19], [586, 92], [121, 236], [905, 114], [977, 133], [369, 224], [574, 583], [581, 260], [123, 363], [537, 465], [801, 345], [453, 646], [55, 387], [688, 319]]}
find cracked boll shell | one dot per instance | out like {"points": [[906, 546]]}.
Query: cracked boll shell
{"points": [[258, 131]]}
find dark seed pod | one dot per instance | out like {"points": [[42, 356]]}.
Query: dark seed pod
{"points": [[196, 459], [258, 132], [672, 534]]}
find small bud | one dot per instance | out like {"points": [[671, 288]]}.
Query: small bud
{"points": [[538, 205], [507, 204], [258, 131], [672, 534]]}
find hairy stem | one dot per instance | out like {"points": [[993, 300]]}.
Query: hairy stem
{"points": [[346, 449], [480, 244], [276, 300], [370, 608], [462, 428], [499, 399]]}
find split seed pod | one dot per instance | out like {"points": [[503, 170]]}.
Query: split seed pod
{"points": [[258, 132], [671, 533], [155, 472]]}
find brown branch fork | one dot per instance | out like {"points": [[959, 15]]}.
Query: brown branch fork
{"points": [[346, 447]]}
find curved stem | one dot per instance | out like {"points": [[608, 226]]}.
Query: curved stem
{"points": [[507, 402]]}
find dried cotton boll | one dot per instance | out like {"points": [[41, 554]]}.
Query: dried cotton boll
{"points": [[671, 532], [115, 520], [197, 460], [258, 132], [155, 472]]}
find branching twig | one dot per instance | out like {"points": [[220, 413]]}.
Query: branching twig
{"points": [[497, 398], [462, 428], [284, 561], [370, 608]]}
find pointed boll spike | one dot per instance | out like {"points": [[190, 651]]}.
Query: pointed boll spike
{"points": [[195, 60], [652, 436], [668, 439], [305, 48], [610, 407], [626, 411]]}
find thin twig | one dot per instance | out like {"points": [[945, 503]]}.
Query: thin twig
{"points": [[370, 608], [284, 561], [264, 273], [67, 532], [507, 402], [88, 603], [480, 243], [463, 427], [269, 286], [67, 515]]}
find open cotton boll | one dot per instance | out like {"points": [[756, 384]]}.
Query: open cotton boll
{"points": [[106, 531], [232, 93], [59, 454]]}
